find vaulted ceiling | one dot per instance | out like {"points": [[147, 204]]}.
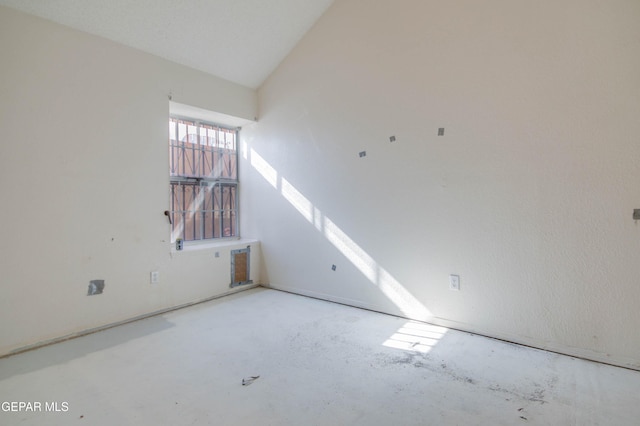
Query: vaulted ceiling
{"points": [[238, 40]]}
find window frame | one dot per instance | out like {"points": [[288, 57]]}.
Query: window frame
{"points": [[213, 185]]}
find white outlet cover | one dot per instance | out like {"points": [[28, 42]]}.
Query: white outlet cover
{"points": [[155, 277], [454, 282]]}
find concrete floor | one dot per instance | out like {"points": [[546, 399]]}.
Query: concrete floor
{"points": [[318, 363]]}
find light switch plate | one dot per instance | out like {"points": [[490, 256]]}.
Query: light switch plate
{"points": [[454, 282]]}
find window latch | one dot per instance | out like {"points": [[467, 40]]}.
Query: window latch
{"points": [[166, 213]]}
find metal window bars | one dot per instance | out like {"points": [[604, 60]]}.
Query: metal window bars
{"points": [[203, 173], [202, 150]]}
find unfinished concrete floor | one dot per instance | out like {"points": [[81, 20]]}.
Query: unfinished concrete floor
{"points": [[318, 363]]}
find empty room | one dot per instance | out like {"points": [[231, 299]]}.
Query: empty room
{"points": [[320, 212]]}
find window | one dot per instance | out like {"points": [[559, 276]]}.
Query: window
{"points": [[203, 174]]}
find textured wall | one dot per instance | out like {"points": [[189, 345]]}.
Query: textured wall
{"points": [[528, 196], [84, 182]]}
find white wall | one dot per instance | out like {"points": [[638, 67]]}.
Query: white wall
{"points": [[84, 183], [528, 196]]}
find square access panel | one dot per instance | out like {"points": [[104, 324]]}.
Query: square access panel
{"points": [[240, 261]]}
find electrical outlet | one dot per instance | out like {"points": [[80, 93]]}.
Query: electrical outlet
{"points": [[155, 277], [454, 282]]}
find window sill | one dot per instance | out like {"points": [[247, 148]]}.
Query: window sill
{"points": [[208, 245]]}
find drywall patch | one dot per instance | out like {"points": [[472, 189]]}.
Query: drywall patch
{"points": [[95, 287]]}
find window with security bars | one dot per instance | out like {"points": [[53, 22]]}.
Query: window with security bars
{"points": [[203, 174]]}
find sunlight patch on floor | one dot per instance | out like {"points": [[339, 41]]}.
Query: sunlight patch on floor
{"points": [[416, 336]]}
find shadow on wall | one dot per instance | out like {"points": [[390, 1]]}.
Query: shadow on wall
{"points": [[368, 266]]}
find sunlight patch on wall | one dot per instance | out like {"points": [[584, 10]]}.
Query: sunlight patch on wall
{"points": [[352, 251], [268, 173], [244, 149], [401, 297], [380, 277], [297, 200]]}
